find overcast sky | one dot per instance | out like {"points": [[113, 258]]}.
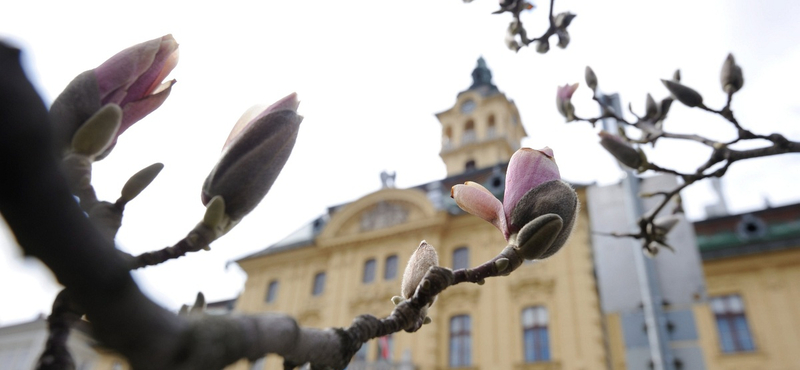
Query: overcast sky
{"points": [[370, 76]]}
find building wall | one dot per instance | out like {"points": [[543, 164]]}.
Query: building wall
{"points": [[768, 285], [564, 284], [22, 344]]}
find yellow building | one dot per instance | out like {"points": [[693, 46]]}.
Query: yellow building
{"points": [[752, 267], [349, 262]]}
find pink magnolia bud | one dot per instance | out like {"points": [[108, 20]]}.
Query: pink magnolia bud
{"points": [[254, 154], [538, 209], [131, 79], [563, 101], [527, 170]]}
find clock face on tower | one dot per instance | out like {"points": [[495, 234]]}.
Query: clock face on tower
{"points": [[468, 106]]}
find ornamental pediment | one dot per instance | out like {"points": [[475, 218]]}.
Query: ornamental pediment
{"points": [[384, 211]]}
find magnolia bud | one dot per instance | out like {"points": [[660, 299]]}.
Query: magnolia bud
{"points": [[650, 250], [564, 19], [651, 109], [591, 78], [621, 150], [139, 182], [665, 104], [420, 262], [564, 101], [563, 38], [665, 224], [511, 41], [685, 95], [542, 46], [548, 212], [254, 154], [731, 76]]}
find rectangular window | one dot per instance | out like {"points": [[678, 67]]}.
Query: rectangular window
{"points": [[385, 348], [369, 271], [391, 268], [534, 334], [734, 334], [460, 341], [319, 284], [460, 258], [272, 291]]}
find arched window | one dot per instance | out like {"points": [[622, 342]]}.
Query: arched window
{"points": [[534, 334], [491, 129], [469, 166], [369, 271], [460, 341], [460, 258], [272, 291], [447, 138], [390, 270], [469, 133], [319, 284]]}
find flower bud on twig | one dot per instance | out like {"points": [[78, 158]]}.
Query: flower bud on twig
{"points": [[423, 258], [564, 101], [731, 76], [138, 182], [563, 38], [254, 154], [621, 150], [538, 209], [685, 95], [131, 79], [542, 46], [651, 109], [591, 78], [564, 19]]}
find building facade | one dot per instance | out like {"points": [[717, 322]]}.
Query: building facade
{"points": [[349, 262]]}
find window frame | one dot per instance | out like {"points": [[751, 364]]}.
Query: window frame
{"points": [[369, 272], [535, 334], [733, 330], [386, 270], [460, 341], [272, 291], [318, 285], [456, 251]]}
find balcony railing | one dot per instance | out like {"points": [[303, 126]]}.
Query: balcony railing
{"points": [[469, 137]]}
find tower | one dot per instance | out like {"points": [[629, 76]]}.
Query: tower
{"points": [[482, 129]]}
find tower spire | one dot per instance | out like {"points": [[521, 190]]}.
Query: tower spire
{"points": [[481, 75]]}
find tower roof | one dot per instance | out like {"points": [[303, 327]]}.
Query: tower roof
{"points": [[482, 79]]}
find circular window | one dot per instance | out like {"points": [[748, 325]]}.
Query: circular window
{"points": [[751, 227]]}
